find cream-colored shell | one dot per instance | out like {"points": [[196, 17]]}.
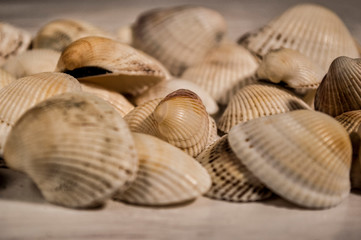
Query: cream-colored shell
{"points": [[303, 156], [75, 147], [125, 34], [166, 174], [5, 78]]}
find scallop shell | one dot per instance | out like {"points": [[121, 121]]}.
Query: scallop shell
{"points": [[119, 102], [163, 88], [58, 34], [303, 156], [340, 90], [258, 100], [24, 93], [313, 30], [231, 180], [75, 147], [178, 37], [31, 62], [12, 41], [166, 175], [290, 67], [5, 78], [222, 69], [111, 64]]}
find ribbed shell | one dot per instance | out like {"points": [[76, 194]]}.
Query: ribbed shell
{"points": [[222, 69], [31, 62], [258, 100], [5, 78], [58, 34], [313, 30], [178, 37], [291, 67], [231, 180], [350, 120], [303, 156], [12, 41], [122, 68], [75, 147], [24, 93], [117, 100], [166, 174], [340, 89], [163, 88]]}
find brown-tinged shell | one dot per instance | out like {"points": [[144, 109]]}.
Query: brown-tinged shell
{"points": [[75, 147], [5, 78]]}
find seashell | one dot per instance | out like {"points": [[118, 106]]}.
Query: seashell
{"points": [[350, 120], [166, 175], [231, 180], [5, 78], [303, 156], [58, 34], [12, 41], [290, 67], [87, 152], [313, 30], [178, 37], [125, 34], [24, 93], [258, 100], [222, 69], [31, 62], [163, 88], [117, 100], [339, 91], [111, 64]]}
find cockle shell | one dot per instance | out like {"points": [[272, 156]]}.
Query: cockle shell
{"points": [[12, 41], [58, 34], [166, 175], [221, 70], [163, 88], [111, 64], [303, 156], [178, 37], [5, 78], [24, 93], [290, 67], [75, 147], [313, 30], [339, 90], [119, 102], [231, 180], [350, 120], [31, 62], [258, 100]]}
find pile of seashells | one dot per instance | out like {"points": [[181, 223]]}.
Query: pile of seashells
{"points": [[169, 109]]}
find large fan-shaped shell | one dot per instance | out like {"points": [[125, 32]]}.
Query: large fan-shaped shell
{"points": [[222, 69], [166, 174], [76, 148], [313, 30], [304, 156], [178, 37], [231, 180], [340, 90], [258, 100], [5, 78], [24, 93]]}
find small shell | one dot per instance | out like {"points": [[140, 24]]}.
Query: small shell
{"points": [[303, 156], [75, 147], [166, 174], [231, 180], [350, 120], [163, 88], [339, 91], [119, 102], [12, 41], [5, 78], [31, 62], [222, 69], [313, 30], [125, 35], [111, 64], [24, 93], [291, 67], [178, 37], [58, 34], [258, 100]]}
